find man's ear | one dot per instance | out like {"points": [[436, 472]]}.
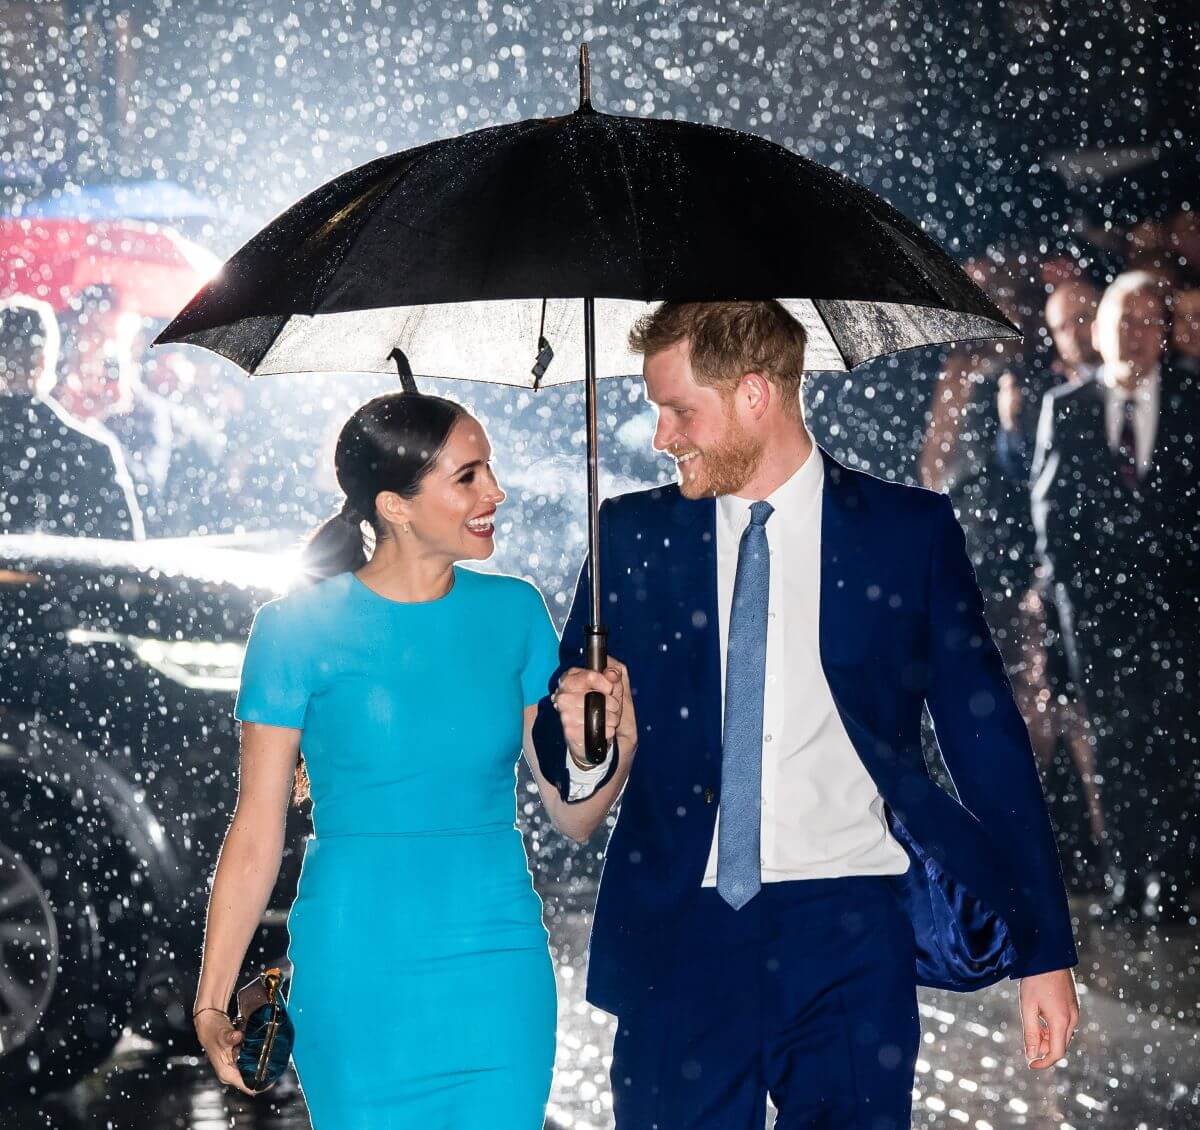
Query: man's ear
{"points": [[759, 391]]}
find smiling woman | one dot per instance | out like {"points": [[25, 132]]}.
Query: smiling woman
{"points": [[412, 736]]}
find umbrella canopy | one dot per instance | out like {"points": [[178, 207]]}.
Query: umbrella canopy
{"points": [[153, 268], [447, 251], [468, 257]]}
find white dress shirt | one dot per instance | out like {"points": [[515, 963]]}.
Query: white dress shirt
{"points": [[1145, 413], [822, 815]]}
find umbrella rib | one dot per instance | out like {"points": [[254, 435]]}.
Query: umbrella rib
{"points": [[829, 330], [355, 239], [898, 222], [424, 155]]}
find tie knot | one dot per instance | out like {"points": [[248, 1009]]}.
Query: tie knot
{"points": [[760, 512]]}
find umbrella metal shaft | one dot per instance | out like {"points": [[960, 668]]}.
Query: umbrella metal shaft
{"points": [[593, 476], [595, 746]]}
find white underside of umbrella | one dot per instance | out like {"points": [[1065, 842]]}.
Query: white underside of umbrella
{"points": [[497, 341]]}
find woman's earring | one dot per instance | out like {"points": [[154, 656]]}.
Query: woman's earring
{"points": [[408, 527]]}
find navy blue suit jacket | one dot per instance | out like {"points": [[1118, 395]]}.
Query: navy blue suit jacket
{"points": [[901, 626]]}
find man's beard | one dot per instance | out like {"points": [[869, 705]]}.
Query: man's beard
{"points": [[723, 467]]}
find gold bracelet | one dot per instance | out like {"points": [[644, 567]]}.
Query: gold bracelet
{"points": [[211, 1008]]}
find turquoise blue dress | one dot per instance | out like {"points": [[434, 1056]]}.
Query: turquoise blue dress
{"points": [[422, 986]]}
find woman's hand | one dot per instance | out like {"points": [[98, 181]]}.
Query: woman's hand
{"points": [[246, 872], [220, 1040]]}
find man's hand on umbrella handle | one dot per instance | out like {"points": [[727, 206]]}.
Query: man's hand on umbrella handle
{"points": [[568, 700], [627, 731]]}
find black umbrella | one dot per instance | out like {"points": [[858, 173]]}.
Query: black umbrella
{"points": [[474, 255]]}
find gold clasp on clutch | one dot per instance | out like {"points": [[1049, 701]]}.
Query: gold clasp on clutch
{"points": [[270, 979]]}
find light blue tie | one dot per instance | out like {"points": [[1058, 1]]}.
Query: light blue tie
{"points": [[738, 838]]}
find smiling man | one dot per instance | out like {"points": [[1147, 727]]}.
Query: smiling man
{"points": [[784, 872]]}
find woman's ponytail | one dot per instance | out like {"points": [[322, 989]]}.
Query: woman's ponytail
{"points": [[337, 546]]}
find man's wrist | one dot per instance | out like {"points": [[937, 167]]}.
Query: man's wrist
{"points": [[585, 781], [586, 766]]}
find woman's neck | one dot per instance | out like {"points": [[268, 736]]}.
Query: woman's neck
{"points": [[406, 574]]}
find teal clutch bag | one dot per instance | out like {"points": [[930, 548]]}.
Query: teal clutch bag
{"points": [[267, 1031]]}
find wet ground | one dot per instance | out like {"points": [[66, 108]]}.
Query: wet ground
{"points": [[1134, 1064]]}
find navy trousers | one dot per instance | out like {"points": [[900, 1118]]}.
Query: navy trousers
{"points": [[807, 994]]}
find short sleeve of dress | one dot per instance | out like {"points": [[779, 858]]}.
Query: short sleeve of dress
{"points": [[274, 687], [541, 650]]}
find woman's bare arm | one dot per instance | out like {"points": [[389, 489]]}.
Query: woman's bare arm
{"points": [[245, 876]]}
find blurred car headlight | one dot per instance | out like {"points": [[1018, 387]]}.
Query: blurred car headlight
{"points": [[197, 664]]}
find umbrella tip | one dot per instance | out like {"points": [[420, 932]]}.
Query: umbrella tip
{"points": [[585, 78], [407, 380]]}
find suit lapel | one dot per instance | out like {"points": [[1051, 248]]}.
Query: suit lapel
{"points": [[1176, 420], [1089, 437], [843, 556], [691, 555]]}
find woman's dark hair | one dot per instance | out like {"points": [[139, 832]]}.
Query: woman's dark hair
{"points": [[391, 443]]}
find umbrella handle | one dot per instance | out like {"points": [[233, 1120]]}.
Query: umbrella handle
{"points": [[595, 747]]}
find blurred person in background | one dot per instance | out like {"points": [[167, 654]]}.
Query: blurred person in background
{"points": [[978, 449], [1070, 314], [173, 448], [1185, 332], [1049, 699], [1051, 706], [89, 385], [1114, 505], [175, 384], [975, 451], [60, 474], [99, 383], [283, 485]]}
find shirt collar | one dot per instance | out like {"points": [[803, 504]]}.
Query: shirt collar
{"points": [[792, 496], [1146, 388]]}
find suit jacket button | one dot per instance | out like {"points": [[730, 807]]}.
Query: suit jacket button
{"points": [[708, 796]]}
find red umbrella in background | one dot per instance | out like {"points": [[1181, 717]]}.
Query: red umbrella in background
{"points": [[154, 269]]}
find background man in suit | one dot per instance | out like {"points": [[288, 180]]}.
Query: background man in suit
{"points": [[1185, 331], [1070, 315], [1117, 513], [766, 910], [60, 475], [1050, 703]]}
